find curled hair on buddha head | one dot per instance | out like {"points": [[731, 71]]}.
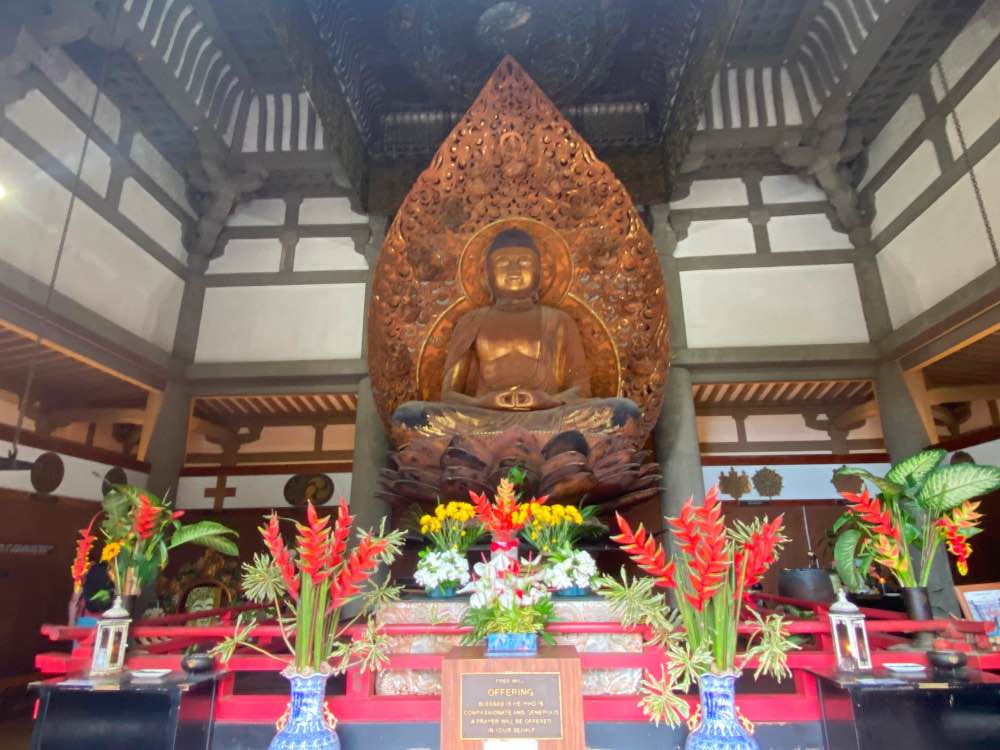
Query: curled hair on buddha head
{"points": [[513, 238]]}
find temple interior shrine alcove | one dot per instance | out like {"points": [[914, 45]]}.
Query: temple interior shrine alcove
{"points": [[262, 254]]}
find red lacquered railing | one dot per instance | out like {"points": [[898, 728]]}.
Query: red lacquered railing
{"points": [[359, 703]]}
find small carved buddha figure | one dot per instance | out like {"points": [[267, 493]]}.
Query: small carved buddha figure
{"points": [[517, 363]]}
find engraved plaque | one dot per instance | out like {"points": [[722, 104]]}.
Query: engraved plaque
{"points": [[511, 706]]}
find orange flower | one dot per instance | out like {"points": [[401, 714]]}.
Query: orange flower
{"points": [[888, 553], [81, 563], [956, 542], [869, 510]]}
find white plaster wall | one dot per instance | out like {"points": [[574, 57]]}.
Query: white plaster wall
{"points": [[150, 161], [82, 478], [259, 324], [329, 211], [803, 482], [943, 249], [914, 175], [805, 232], [254, 491], [730, 191], [969, 45], [328, 254], [790, 188], [817, 304], [904, 121], [108, 273], [42, 121], [248, 256], [31, 215], [151, 217], [717, 237], [766, 427], [986, 453], [338, 437], [718, 429], [976, 112], [263, 212]]}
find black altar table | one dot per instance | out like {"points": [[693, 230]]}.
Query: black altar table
{"points": [[913, 711], [121, 712]]}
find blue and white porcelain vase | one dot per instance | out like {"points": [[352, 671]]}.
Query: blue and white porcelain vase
{"points": [[720, 728], [511, 644], [306, 727]]}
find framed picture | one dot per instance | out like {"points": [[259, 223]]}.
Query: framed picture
{"points": [[981, 601]]}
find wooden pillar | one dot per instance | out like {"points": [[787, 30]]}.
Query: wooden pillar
{"points": [[168, 443], [371, 446], [677, 448]]}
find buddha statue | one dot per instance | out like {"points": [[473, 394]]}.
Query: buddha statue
{"points": [[516, 363]]}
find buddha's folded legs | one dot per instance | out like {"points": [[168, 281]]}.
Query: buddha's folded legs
{"points": [[434, 419]]}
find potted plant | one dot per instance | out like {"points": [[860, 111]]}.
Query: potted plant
{"points": [[920, 505], [710, 574], [510, 607], [451, 530], [308, 587], [139, 530], [553, 530]]}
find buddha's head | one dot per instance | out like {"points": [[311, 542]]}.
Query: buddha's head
{"points": [[514, 266]]}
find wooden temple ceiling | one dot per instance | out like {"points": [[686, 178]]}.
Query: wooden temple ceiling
{"points": [[975, 365], [387, 79], [835, 395], [61, 379], [278, 410]]}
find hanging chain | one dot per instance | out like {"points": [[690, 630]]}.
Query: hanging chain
{"points": [[22, 406], [969, 168]]}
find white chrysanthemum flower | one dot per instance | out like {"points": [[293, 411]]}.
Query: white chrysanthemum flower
{"points": [[575, 570], [442, 568]]}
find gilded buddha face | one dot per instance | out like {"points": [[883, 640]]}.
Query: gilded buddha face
{"points": [[513, 265]]}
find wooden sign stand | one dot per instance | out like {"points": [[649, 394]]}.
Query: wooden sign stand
{"points": [[520, 703]]}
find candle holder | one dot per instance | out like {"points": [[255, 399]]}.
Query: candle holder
{"points": [[850, 639]]}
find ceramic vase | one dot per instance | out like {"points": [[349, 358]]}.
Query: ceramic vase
{"points": [[917, 602], [573, 591], [306, 727], [441, 592], [720, 728], [511, 644]]}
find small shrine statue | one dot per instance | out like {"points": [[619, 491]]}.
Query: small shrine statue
{"points": [[516, 363]]}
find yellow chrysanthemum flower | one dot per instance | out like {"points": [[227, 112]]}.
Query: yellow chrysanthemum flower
{"points": [[110, 551]]}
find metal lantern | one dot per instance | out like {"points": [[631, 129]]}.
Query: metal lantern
{"points": [[111, 640], [850, 639]]}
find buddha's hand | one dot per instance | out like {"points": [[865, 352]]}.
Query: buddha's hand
{"points": [[518, 399]]}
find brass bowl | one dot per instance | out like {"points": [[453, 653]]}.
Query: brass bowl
{"points": [[947, 660]]}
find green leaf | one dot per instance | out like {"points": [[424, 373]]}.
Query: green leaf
{"points": [[844, 553], [950, 486], [207, 534], [844, 519], [913, 470], [886, 487]]}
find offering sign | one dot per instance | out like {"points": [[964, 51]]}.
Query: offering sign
{"points": [[511, 706]]}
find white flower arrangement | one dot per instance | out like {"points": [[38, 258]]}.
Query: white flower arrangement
{"points": [[442, 568], [577, 569], [506, 581]]}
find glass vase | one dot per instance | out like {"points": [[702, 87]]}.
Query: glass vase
{"points": [[719, 727], [306, 727]]}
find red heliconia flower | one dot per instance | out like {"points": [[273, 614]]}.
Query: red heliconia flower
{"points": [[279, 553], [177, 515], [81, 562], [701, 536], [869, 510], [360, 564], [957, 544], [759, 551], [341, 533], [313, 544], [144, 517], [645, 552], [498, 517]]}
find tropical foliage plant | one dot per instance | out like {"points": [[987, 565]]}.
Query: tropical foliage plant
{"points": [[139, 530], [308, 587], [920, 504], [709, 576]]}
